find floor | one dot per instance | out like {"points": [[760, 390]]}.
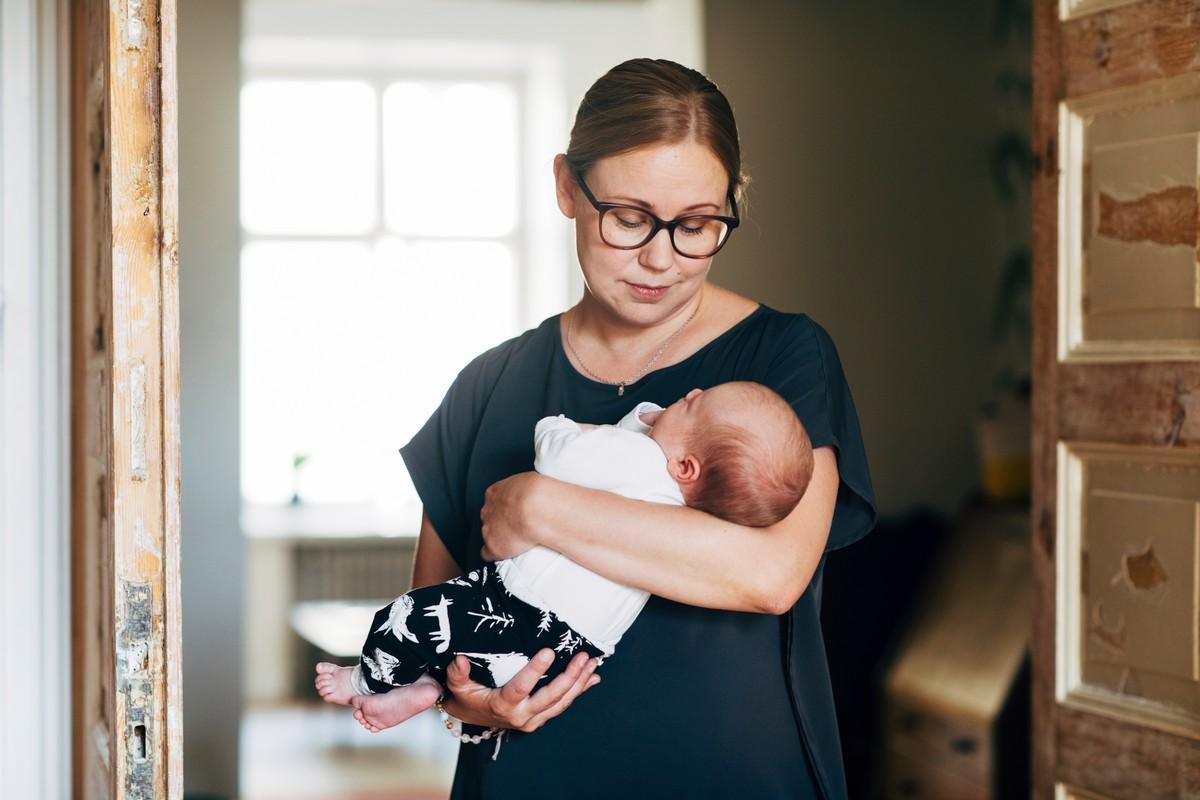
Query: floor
{"points": [[318, 752]]}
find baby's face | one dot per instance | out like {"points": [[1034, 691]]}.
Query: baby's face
{"points": [[699, 407]]}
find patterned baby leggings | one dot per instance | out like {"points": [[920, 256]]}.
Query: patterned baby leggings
{"points": [[472, 615]]}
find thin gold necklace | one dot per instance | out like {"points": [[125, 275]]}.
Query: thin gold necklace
{"points": [[634, 379]]}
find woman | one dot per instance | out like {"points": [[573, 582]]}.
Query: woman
{"points": [[721, 687]]}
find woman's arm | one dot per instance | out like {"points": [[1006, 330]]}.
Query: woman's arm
{"points": [[515, 705], [432, 562], [675, 552]]}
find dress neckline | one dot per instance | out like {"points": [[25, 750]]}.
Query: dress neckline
{"points": [[561, 353]]}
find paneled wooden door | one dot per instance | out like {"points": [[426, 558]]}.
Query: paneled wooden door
{"points": [[126, 721], [1116, 540]]}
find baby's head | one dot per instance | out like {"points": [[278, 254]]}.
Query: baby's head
{"points": [[736, 450]]}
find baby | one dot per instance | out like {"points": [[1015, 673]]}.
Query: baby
{"points": [[736, 450]]}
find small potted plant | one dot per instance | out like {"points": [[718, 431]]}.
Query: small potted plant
{"points": [[1002, 427], [297, 462]]}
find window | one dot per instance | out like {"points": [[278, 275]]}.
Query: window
{"points": [[398, 219], [382, 231]]}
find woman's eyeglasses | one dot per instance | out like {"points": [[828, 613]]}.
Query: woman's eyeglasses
{"points": [[630, 227]]}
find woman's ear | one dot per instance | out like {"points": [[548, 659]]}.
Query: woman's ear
{"points": [[564, 186], [684, 469]]}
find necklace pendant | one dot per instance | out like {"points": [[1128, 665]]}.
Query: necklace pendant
{"points": [[620, 390]]}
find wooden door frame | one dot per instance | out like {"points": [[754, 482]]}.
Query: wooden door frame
{"points": [[125, 478]]}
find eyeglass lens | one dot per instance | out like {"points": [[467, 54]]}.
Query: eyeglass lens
{"points": [[693, 236]]}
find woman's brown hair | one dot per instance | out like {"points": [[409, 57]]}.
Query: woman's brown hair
{"points": [[646, 101]]}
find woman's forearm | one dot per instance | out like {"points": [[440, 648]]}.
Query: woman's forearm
{"points": [[432, 562], [687, 555]]}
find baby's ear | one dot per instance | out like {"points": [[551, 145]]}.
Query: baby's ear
{"points": [[684, 469]]}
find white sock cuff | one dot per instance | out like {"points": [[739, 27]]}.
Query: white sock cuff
{"points": [[357, 682]]}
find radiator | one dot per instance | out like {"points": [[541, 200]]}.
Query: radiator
{"points": [[352, 569]]}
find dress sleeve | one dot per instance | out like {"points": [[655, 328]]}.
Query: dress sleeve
{"points": [[438, 455], [806, 371]]}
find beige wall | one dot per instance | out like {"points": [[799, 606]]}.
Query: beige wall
{"points": [[213, 547], [866, 134]]}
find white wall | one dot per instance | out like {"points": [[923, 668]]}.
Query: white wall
{"points": [[866, 128], [213, 547], [35, 668]]}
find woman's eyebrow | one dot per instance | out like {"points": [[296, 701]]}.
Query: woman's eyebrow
{"points": [[650, 206]]}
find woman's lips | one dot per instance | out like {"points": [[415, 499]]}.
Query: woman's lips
{"points": [[648, 292]]}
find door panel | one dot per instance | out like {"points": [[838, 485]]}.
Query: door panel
{"points": [[1116, 502]]}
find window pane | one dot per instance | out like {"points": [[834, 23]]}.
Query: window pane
{"points": [[306, 371], [346, 351], [450, 158], [441, 304], [308, 156]]}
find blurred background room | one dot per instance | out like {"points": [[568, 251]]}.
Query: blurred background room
{"points": [[366, 202]]}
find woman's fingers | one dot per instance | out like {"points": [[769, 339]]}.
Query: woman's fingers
{"points": [[552, 692], [516, 704], [585, 681], [458, 675], [522, 684], [552, 699]]}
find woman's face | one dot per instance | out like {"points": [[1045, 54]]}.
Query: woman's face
{"points": [[649, 284]]}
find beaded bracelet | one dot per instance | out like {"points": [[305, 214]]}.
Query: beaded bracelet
{"points": [[456, 730]]}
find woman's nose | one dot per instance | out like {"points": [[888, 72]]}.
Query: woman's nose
{"points": [[657, 253]]}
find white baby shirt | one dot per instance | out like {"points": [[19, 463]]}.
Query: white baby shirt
{"points": [[619, 458]]}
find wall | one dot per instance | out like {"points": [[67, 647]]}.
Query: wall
{"points": [[213, 548], [866, 133], [35, 492]]}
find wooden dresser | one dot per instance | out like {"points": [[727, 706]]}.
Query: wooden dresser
{"points": [[956, 708]]}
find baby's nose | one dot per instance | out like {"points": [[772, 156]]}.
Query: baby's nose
{"points": [[692, 393]]}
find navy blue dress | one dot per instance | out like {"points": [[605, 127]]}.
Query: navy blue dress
{"points": [[696, 702]]}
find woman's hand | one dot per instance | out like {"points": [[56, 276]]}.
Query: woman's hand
{"points": [[512, 705], [509, 527]]}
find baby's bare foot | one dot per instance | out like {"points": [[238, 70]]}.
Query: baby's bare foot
{"points": [[377, 712], [333, 683]]}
